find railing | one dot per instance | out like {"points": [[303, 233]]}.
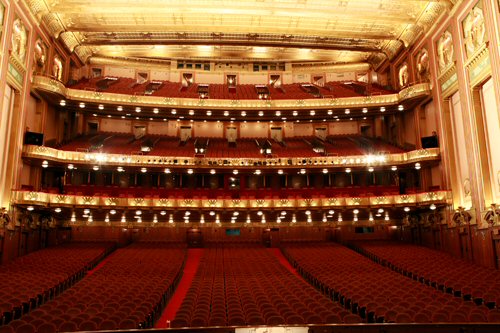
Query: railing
{"points": [[65, 200], [51, 85], [62, 156]]}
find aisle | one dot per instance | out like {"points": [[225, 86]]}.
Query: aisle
{"points": [[192, 262], [277, 252]]}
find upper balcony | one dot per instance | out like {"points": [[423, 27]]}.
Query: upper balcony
{"points": [[331, 96]]}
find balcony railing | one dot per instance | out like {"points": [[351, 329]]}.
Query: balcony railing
{"points": [[43, 199], [61, 156]]}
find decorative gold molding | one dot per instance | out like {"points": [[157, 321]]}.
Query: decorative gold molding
{"points": [[62, 156], [414, 91], [43, 199]]}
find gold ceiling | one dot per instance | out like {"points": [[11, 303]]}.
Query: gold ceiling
{"points": [[338, 31]]}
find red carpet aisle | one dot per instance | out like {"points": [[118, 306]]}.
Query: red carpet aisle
{"points": [[283, 261], [192, 262], [102, 263]]}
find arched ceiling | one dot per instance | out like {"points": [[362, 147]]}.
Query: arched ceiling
{"points": [[337, 31]]}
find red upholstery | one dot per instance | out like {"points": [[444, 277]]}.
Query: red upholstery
{"points": [[128, 291], [39, 276], [245, 285], [359, 283]]}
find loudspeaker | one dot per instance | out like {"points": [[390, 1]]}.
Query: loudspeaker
{"points": [[32, 138]]}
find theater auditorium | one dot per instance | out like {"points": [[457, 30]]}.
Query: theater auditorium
{"points": [[250, 166]]}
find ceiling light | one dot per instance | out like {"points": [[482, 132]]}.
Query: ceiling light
{"points": [[137, 109], [259, 213], [209, 113], [261, 113], [81, 105], [101, 107], [348, 170], [190, 171], [62, 102], [236, 213], [295, 113], [138, 212], [401, 107], [187, 213], [144, 170], [432, 207], [312, 112], [308, 212], [30, 208], [95, 167], [394, 168], [331, 212], [212, 171], [325, 171], [163, 213], [120, 169], [235, 172], [243, 113], [330, 112], [365, 110], [155, 110], [370, 169], [283, 213], [302, 171], [71, 166], [119, 108], [112, 212], [191, 112], [380, 210], [57, 210], [356, 211], [280, 171], [417, 166], [45, 164], [226, 113], [174, 111], [407, 209], [278, 113], [257, 172], [86, 211], [382, 109], [167, 170], [347, 111]]}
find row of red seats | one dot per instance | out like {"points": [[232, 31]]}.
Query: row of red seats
{"points": [[36, 278], [341, 145], [439, 269], [221, 91], [129, 291], [377, 293], [237, 286]]}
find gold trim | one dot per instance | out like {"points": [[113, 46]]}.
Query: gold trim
{"points": [[49, 199], [62, 156]]}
